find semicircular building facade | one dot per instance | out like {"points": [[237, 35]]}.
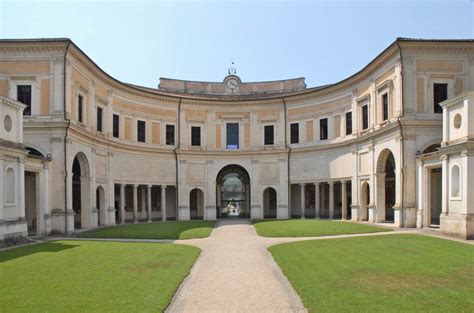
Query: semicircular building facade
{"points": [[392, 143]]}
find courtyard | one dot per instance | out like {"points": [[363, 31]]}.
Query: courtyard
{"points": [[239, 264]]}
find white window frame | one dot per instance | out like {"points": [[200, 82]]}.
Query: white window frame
{"points": [[299, 133], [274, 134], [84, 104], [120, 135], [103, 131], [164, 134], [136, 130], [35, 99], [200, 134], [430, 91], [240, 134], [327, 117]]}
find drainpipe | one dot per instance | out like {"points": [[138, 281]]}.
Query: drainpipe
{"points": [[176, 158], [402, 145], [65, 140], [289, 156]]}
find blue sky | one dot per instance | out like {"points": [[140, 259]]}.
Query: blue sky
{"points": [[324, 41]]}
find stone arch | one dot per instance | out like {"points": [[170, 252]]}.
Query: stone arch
{"points": [[455, 181], [10, 185], [196, 203], [269, 202], [364, 201], [100, 205], [385, 187], [81, 192], [34, 151], [432, 147], [233, 191]]}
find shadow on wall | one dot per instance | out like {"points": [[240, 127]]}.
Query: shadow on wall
{"points": [[19, 252]]}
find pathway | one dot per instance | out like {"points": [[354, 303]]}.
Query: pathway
{"points": [[235, 273]]}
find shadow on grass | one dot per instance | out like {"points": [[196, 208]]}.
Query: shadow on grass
{"points": [[161, 230], [20, 252]]}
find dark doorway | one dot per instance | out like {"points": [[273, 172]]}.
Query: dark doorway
{"points": [[233, 192]]}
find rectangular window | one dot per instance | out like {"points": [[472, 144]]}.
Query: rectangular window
{"points": [[294, 133], [365, 116], [116, 126], [23, 93], [170, 135], [80, 105], [440, 93], [195, 136], [385, 106], [348, 123], [269, 138], [141, 131], [323, 129], [232, 136], [99, 119]]}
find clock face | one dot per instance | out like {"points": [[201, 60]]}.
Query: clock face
{"points": [[232, 84]]}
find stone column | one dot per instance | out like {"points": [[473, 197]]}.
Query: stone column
{"points": [[317, 203], [135, 204], [343, 200], [331, 199], [445, 185], [1, 189], [302, 202], [163, 203], [148, 193], [122, 204], [143, 202], [21, 189]]}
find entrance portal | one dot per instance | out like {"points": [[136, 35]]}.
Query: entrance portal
{"points": [[436, 192], [233, 192]]}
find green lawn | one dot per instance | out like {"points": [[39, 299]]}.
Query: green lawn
{"points": [[91, 276], [311, 228], [392, 273], [166, 230]]}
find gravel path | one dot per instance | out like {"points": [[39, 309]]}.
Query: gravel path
{"points": [[235, 273]]}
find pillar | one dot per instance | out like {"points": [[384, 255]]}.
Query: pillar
{"points": [[317, 203], [163, 203], [148, 193], [143, 202], [343, 200], [445, 186], [302, 202], [135, 204], [122, 204], [331, 199]]}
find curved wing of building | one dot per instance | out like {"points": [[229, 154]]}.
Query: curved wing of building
{"points": [[374, 147]]}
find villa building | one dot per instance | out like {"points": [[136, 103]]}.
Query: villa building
{"points": [[392, 143]]}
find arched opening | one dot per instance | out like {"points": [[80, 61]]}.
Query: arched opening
{"points": [[81, 204], [455, 182], [432, 148], [196, 204], [269, 203], [386, 182], [100, 205], [364, 201], [233, 192]]}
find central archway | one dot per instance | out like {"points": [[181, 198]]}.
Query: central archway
{"points": [[233, 192]]}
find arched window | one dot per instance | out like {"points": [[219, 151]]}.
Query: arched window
{"points": [[455, 181], [9, 186]]}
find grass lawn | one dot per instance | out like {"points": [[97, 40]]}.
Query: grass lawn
{"points": [[90, 276], [392, 273], [311, 228], [166, 230]]}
